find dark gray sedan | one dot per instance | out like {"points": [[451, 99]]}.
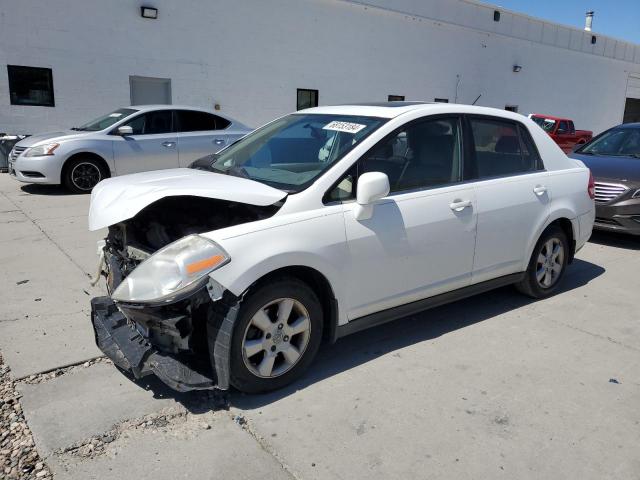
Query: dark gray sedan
{"points": [[614, 159]]}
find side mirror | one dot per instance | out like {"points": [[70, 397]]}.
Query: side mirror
{"points": [[372, 186], [125, 130]]}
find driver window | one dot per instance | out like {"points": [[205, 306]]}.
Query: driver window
{"points": [[424, 154], [151, 123]]}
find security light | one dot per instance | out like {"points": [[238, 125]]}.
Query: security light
{"points": [[149, 12], [517, 68]]}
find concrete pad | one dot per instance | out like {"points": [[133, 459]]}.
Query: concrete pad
{"points": [[490, 390], [38, 344], [185, 451], [86, 402], [602, 306]]}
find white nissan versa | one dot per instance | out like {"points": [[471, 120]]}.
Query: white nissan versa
{"points": [[322, 223]]}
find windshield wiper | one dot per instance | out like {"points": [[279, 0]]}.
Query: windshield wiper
{"points": [[78, 129]]}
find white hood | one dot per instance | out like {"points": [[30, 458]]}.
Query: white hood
{"points": [[117, 199]]}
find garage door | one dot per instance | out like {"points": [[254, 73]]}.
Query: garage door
{"points": [[633, 86], [150, 90]]}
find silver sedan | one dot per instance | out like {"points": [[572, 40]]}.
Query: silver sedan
{"points": [[127, 140]]}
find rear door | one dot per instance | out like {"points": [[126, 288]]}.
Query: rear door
{"points": [[512, 194], [200, 134], [420, 239], [152, 146]]}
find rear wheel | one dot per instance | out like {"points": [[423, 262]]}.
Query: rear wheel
{"points": [[547, 265], [276, 336], [82, 174]]}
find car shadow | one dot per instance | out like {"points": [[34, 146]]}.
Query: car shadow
{"points": [[612, 239], [360, 348], [46, 190]]}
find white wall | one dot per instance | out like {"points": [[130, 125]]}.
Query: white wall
{"points": [[251, 55]]}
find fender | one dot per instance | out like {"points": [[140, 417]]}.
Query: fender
{"points": [[554, 215], [104, 155], [239, 284]]}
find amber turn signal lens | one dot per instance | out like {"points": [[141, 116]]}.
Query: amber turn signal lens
{"points": [[204, 264]]}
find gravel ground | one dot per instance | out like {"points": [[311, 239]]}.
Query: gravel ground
{"points": [[18, 456]]}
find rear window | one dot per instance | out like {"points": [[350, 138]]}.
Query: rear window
{"points": [[194, 121], [502, 148]]}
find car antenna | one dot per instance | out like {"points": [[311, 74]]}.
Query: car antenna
{"points": [[474, 102]]}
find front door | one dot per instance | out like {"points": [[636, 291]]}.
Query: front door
{"points": [[420, 239], [152, 146], [512, 195]]}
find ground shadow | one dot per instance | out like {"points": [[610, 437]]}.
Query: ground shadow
{"points": [[46, 190], [612, 239], [365, 346]]}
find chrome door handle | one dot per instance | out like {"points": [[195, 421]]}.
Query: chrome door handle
{"points": [[169, 144], [459, 205], [219, 141], [540, 190]]}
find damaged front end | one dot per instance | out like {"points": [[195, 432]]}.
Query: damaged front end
{"points": [[180, 332]]}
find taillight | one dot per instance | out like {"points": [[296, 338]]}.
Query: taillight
{"points": [[592, 186]]}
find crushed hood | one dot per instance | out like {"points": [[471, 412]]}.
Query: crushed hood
{"points": [[117, 199]]}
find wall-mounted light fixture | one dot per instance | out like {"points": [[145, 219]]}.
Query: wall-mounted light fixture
{"points": [[517, 68], [149, 12]]}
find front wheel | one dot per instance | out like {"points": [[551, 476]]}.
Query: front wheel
{"points": [[547, 265], [81, 175], [277, 334]]}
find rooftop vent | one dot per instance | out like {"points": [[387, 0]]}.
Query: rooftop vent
{"points": [[588, 21]]}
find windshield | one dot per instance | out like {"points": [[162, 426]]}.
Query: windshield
{"points": [[106, 120], [547, 124], [616, 142], [291, 152]]}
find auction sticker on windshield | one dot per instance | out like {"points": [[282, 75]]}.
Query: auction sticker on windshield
{"points": [[346, 127]]}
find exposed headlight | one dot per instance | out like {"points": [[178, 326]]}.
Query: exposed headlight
{"points": [[172, 270], [41, 150]]}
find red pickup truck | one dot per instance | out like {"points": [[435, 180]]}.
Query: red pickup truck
{"points": [[562, 131]]}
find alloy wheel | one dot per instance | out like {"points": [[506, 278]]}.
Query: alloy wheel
{"points": [[276, 338], [550, 263], [85, 175]]}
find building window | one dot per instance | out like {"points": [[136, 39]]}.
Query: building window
{"points": [[30, 86], [511, 108], [496, 15], [594, 39], [441, 100], [307, 98], [395, 98]]}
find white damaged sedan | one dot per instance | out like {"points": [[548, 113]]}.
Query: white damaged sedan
{"points": [[323, 223]]}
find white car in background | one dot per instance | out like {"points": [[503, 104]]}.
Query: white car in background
{"points": [[127, 140], [322, 223]]}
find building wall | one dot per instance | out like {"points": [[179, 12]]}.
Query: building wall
{"points": [[249, 56]]}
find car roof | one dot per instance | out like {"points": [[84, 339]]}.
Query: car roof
{"points": [[628, 125], [148, 108], [395, 109]]}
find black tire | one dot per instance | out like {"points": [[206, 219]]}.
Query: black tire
{"points": [[530, 284], [241, 377], [73, 179]]}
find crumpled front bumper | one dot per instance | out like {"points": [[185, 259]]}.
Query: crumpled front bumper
{"points": [[130, 351]]}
